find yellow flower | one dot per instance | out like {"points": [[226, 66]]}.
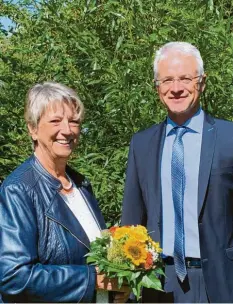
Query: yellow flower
{"points": [[135, 251], [139, 233], [155, 245], [121, 232]]}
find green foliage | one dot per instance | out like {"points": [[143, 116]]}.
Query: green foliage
{"points": [[104, 49]]}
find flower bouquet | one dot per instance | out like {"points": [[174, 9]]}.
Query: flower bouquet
{"points": [[129, 254]]}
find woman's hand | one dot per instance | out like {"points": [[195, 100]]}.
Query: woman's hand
{"points": [[120, 295]]}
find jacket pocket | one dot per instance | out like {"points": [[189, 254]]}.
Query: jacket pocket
{"points": [[229, 252]]}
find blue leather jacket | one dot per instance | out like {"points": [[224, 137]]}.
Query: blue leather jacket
{"points": [[42, 244]]}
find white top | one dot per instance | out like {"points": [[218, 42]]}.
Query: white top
{"points": [[84, 214], [77, 204]]}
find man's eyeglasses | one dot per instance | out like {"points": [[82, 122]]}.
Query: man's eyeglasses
{"points": [[167, 82]]}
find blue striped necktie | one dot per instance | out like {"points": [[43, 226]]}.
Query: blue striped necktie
{"points": [[178, 186]]}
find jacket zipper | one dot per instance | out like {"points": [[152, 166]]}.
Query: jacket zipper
{"points": [[68, 231], [78, 241]]}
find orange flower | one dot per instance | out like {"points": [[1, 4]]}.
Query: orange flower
{"points": [[149, 261], [113, 229]]}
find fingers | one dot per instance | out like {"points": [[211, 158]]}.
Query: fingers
{"points": [[112, 286], [104, 283]]}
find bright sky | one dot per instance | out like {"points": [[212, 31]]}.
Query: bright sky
{"points": [[6, 22]]}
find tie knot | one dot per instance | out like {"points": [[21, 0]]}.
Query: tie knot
{"points": [[180, 131]]}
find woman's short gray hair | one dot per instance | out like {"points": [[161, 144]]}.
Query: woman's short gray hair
{"points": [[182, 47], [41, 95]]}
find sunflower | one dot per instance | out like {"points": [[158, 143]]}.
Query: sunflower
{"points": [[135, 251]]}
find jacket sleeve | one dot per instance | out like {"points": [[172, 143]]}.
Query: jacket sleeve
{"points": [[22, 277], [133, 211]]}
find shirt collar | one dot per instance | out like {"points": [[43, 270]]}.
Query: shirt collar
{"points": [[195, 123]]}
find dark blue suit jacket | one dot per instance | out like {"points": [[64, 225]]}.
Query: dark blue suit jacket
{"points": [[142, 198]]}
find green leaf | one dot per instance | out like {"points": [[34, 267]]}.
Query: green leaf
{"points": [[119, 42], [91, 260], [151, 281], [124, 274], [159, 271], [120, 281], [135, 275]]}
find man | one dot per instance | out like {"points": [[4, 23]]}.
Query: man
{"points": [[179, 184]]}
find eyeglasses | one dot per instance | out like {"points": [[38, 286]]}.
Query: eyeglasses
{"points": [[167, 82]]}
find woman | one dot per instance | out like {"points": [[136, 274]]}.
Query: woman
{"points": [[48, 214]]}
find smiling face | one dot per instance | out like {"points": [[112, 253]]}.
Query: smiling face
{"points": [[56, 134], [181, 100]]}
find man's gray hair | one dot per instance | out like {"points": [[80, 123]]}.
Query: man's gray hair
{"points": [[181, 47], [42, 95]]}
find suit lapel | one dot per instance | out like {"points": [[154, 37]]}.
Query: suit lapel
{"points": [[154, 181], [207, 152], [59, 212]]}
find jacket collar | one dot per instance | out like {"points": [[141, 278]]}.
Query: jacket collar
{"points": [[59, 212], [78, 178], [53, 182]]}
